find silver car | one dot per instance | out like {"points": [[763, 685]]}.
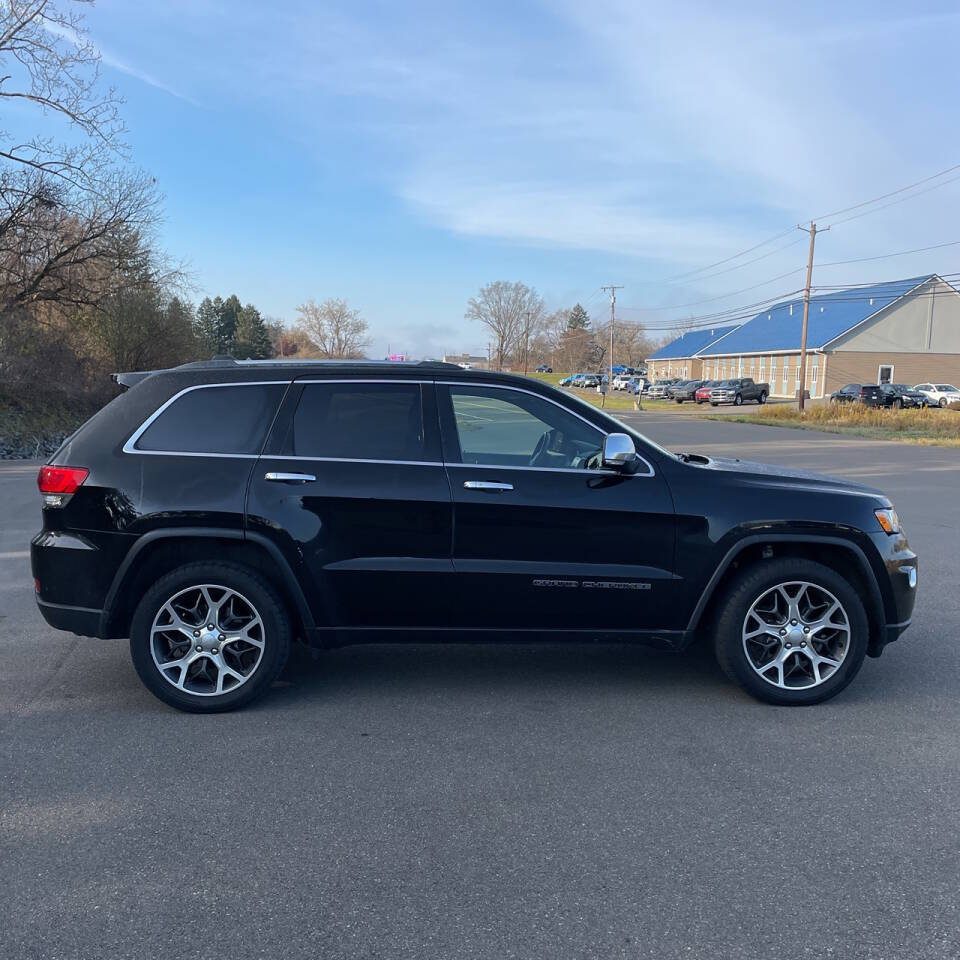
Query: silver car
{"points": [[939, 394]]}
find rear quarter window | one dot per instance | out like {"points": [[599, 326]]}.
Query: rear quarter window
{"points": [[227, 419]]}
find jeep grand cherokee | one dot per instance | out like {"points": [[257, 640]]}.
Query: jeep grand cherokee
{"points": [[216, 511]]}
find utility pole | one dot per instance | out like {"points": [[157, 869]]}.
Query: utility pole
{"points": [[526, 344], [613, 302], [812, 230]]}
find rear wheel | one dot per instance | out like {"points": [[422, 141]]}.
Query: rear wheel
{"points": [[209, 637], [791, 632], [762, 398]]}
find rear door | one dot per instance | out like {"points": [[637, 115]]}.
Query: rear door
{"points": [[353, 490], [544, 538]]}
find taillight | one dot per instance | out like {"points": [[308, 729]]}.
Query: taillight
{"points": [[58, 483]]}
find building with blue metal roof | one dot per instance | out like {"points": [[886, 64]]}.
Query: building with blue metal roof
{"points": [[903, 331], [679, 358]]}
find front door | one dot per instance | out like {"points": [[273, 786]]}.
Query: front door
{"points": [[544, 538], [352, 488]]}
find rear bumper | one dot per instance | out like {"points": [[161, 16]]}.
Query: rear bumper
{"points": [[84, 621]]}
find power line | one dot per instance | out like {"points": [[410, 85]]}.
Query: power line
{"points": [[887, 256], [732, 293], [892, 193], [720, 263], [893, 203]]}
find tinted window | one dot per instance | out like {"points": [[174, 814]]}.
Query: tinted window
{"points": [[227, 419], [359, 421], [518, 429]]}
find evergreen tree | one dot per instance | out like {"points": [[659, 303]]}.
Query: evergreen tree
{"points": [[252, 341], [579, 318], [206, 326], [228, 314]]}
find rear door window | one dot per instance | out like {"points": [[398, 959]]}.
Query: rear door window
{"points": [[358, 421], [228, 419]]}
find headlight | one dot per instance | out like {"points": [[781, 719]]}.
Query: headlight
{"points": [[888, 519]]}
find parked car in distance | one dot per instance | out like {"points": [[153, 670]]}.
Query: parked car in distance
{"points": [[897, 395], [544, 368], [703, 391], [637, 385], [739, 390], [939, 394], [217, 511], [589, 381], [566, 381], [686, 390], [658, 390], [621, 380], [850, 393]]}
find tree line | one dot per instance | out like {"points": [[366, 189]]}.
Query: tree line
{"points": [[523, 334], [85, 288]]}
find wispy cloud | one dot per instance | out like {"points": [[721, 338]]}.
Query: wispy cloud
{"points": [[116, 63]]}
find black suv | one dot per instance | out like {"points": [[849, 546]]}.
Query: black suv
{"points": [[218, 510]]}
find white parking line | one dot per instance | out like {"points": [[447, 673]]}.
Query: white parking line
{"points": [[14, 554]]}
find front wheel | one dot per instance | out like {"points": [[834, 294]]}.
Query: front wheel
{"points": [[209, 637], [943, 403], [738, 400], [791, 632]]}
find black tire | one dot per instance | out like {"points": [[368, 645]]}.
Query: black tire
{"points": [[942, 403], [745, 589], [251, 586], [738, 401], [679, 401], [712, 404], [762, 399]]}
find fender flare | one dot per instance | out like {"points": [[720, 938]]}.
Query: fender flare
{"points": [[210, 533], [874, 601]]}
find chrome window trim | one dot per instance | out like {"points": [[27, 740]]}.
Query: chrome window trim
{"points": [[408, 463], [131, 447], [534, 393]]}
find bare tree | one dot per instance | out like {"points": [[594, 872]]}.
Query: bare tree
{"points": [[338, 331], [48, 61], [502, 307]]}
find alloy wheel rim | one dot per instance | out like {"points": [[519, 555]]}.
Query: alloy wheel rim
{"points": [[796, 635], [207, 640]]}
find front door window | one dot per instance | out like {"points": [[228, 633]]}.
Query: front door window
{"points": [[515, 429]]}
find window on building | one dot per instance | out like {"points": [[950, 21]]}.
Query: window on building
{"points": [[815, 369], [885, 373]]}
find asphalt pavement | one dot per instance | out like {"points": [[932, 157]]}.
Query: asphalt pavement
{"points": [[495, 801]]}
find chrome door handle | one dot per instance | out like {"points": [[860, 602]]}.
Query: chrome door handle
{"points": [[494, 486], [289, 477]]}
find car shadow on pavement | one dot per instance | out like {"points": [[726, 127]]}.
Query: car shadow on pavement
{"points": [[510, 668]]}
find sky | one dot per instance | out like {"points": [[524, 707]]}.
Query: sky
{"points": [[401, 155]]}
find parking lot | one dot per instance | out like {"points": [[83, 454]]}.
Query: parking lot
{"points": [[496, 801]]}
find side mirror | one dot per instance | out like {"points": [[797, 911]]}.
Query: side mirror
{"points": [[619, 453]]}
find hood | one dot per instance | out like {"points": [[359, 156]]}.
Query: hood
{"points": [[767, 473]]}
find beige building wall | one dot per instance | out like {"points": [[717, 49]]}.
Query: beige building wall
{"points": [[912, 368], [688, 367], [780, 370]]}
